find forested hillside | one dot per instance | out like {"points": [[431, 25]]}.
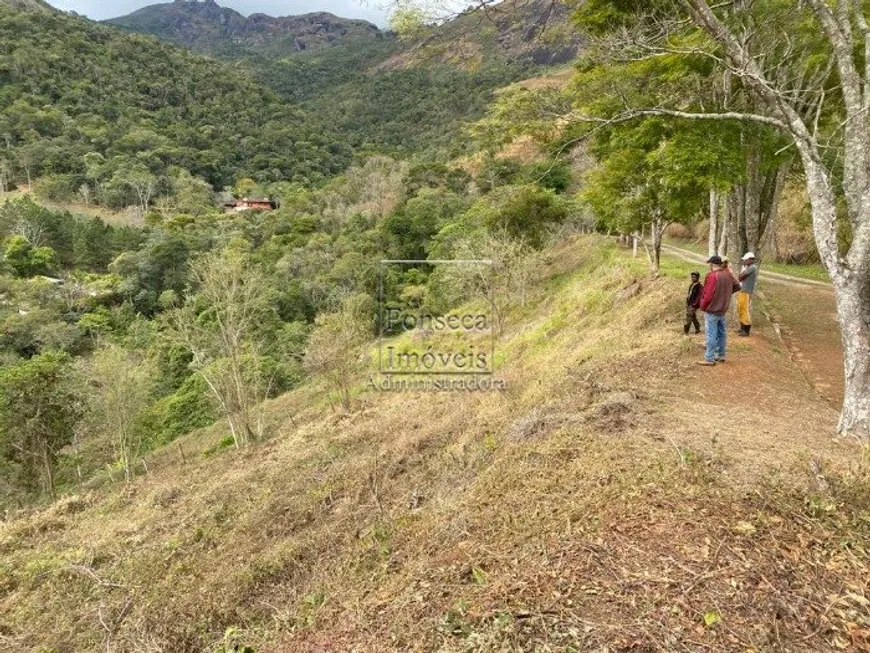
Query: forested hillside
{"points": [[420, 110], [99, 116], [28, 5], [383, 94], [88, 110], [532, 31]]}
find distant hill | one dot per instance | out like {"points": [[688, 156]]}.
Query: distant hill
{"points": [[537, 32], [450, 69], [210, 27], [76, 90], [521, 31], [407, 96], [26, 4]]}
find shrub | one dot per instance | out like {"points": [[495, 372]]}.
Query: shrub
{"points": [[58, 188], [27, 260], [186, 409]]}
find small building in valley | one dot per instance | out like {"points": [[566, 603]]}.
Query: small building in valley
{"points": [[250, 204]]}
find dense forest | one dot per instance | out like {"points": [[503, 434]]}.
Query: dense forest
{"points": [[382, 92], [415, 111], [112, 117], [105, 117]]}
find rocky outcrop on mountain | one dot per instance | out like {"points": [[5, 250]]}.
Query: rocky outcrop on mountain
{"points": [[538, 32], [208, 26]]}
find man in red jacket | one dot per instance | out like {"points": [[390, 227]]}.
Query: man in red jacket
{"points": [[719, 285]]}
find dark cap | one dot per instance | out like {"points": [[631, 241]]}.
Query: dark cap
{"points": [[715, 260], [695, 274]]}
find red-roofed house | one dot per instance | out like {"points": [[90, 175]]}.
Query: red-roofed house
{"points": [[250, 204]]}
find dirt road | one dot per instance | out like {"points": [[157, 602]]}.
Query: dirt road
{"points": [[773, 277], [800, 315]]}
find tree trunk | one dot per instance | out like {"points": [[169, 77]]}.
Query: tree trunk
{"points": [[852, 295], [737, 237], [78, 456], [657, 230], [47, 468], [767, 244], [736, 207], [762, 194], [853, 310], [725, 227], [126, 453], [714, 222], [773, 196]]}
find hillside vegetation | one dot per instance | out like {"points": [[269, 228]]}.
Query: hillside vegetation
{"points": [[530, 31], [609, 498], [383, 94], [419, 111], [28, 5], [87, 105], [73, 287], [98, 116]]}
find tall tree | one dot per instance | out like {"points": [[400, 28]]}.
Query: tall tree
{"points": [[121, 389], [39, 408], [139, 179], [218, 326], [650, 174], [335, 348]]}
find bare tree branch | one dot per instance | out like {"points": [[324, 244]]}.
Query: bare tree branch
{"points": [[673, 113]]}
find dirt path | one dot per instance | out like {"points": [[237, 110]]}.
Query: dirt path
{"points": [[807, 321], [774, 277], [760, 408], [116, 218], [800, 316]]}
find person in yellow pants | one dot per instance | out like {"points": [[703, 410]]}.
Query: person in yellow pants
{"points": [[748, 278]]}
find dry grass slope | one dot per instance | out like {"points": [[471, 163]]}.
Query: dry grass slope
{"points": [[609, 500]]}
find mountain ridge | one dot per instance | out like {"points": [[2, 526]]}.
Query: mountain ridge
{"points": [[208, 26], [27, 5]]}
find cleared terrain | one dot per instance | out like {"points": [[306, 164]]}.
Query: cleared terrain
{"points": [[615, 497]]}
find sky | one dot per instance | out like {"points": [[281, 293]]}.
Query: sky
{"points": [[371, 10]]}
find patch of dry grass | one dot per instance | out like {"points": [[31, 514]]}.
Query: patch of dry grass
{"points": [[558, 79], [585, 508], [115, 218]]}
